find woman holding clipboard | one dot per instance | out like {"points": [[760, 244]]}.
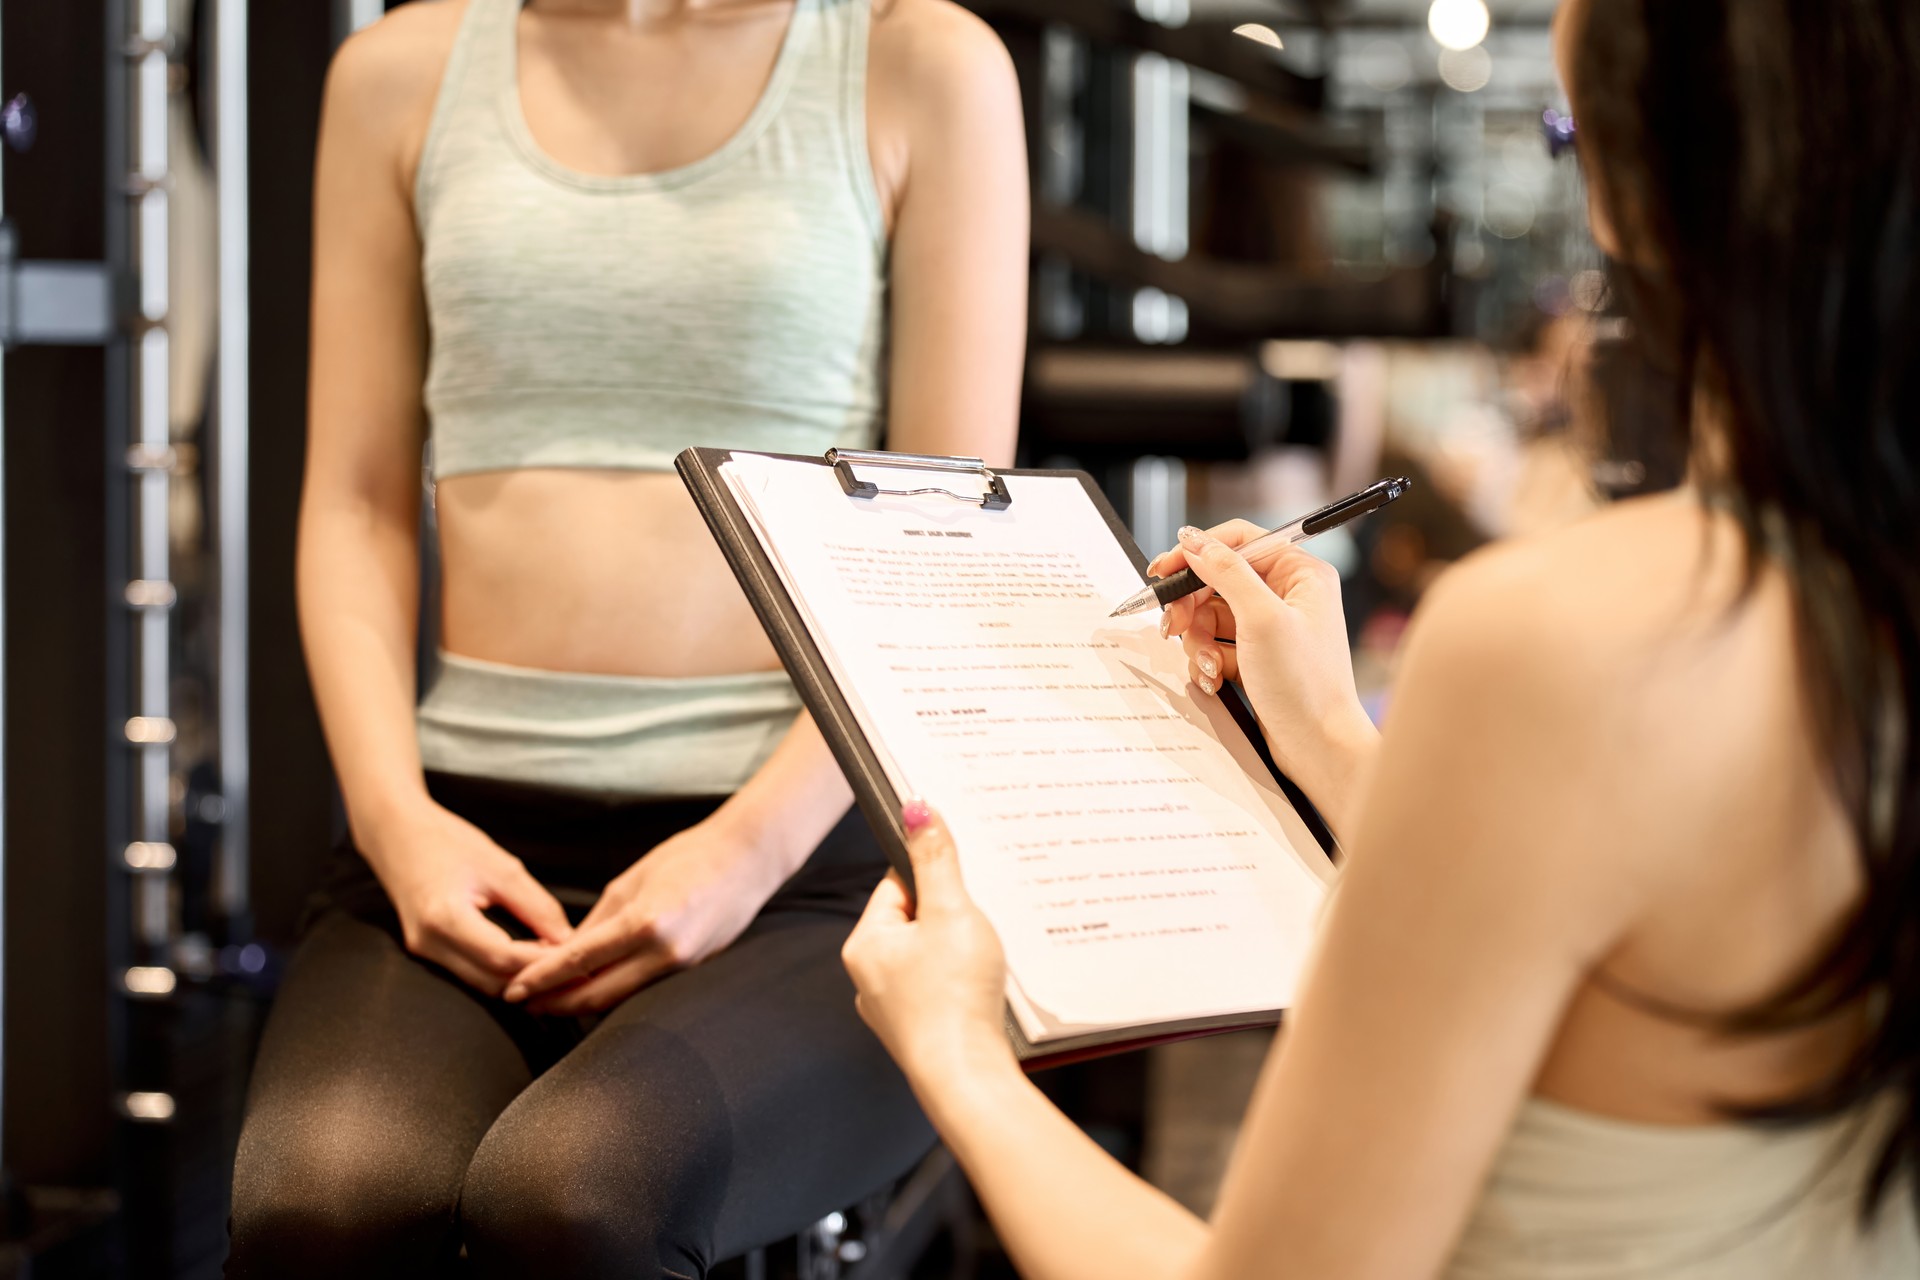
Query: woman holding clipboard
{"points": [[1623, 976]]}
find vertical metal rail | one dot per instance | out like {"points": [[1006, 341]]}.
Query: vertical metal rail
{"points": [[3, 705], [1060, 169], [1162, 226], [149, 44], [1161, 181], [231, 426], [1158, 506]]}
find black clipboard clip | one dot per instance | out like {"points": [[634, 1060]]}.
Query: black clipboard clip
{"points": [[843, 461]]}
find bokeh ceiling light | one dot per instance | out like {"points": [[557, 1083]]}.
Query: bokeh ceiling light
{"points": [[1259, 33], [1466, 70], [1387, 67], [1459, 24], [1509, 211]]}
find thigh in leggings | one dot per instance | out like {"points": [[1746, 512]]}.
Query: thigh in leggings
{"points": [[718, 1110], [395, 1118], [377, 1078]]}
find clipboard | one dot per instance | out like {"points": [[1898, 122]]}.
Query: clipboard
{"points": [[699, 470]]}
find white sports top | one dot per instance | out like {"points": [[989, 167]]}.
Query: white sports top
{"points": [[1574, 1196]]}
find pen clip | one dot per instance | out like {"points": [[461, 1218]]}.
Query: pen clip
{"points": [[1365, 502], [996, 497]]}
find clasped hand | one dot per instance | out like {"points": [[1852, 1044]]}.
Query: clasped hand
{"points": [[688, 898]]}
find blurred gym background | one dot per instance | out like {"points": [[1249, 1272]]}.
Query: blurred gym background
{"points": [[1281, 247]]}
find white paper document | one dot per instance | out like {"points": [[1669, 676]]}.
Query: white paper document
{"points": [[1114, 823]]}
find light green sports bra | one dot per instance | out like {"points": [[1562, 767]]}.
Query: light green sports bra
{"points": [[586, 321], [608, 322]]}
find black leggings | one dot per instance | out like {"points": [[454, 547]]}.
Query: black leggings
{"points": [[397, 1118]]}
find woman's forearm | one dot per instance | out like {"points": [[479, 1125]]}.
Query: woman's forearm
{"points": [[790, 803], [1064, 1208], [358, 583], [1332, 776]]}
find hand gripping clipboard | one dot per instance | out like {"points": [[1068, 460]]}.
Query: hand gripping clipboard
{"points": [[928, 477]]}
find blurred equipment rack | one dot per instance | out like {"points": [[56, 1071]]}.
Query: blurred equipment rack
{"points": [[1144, 352], [1254, 302]]}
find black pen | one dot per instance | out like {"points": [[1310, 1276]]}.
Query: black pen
{"points": [[1164, 591]]}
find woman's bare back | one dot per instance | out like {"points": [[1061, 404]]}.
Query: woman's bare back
{"points": [[1709, 750]]}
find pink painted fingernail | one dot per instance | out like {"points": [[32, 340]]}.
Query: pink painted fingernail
{"points": [[514, 993], [915, 814], [1191, 537], [1166, 626], [1209, 664]]}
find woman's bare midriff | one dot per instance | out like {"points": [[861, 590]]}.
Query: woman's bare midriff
{"points": [[608, 572]]}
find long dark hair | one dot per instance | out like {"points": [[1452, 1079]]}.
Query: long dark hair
{"points": [[1760, 163]]}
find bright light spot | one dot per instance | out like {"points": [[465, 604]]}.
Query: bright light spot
{"points": [[149, 730], [150, 980], [149, 855], [149, 1106], [1459, 24], [1259, 33], [1159, 318], [1510, 211], [144, 594], [1387, 67], [1467, 70]]}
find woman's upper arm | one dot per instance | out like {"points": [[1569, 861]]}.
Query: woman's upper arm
{"points": [[1484, 885], [943, 83], [365, 421]]}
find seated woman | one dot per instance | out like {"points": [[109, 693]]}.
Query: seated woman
{"points": [[1623, 975], [571, 1004]]}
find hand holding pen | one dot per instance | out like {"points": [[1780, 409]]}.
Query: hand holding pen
{"points": [[1282, 635], [1261, 549], [1250, 607]]}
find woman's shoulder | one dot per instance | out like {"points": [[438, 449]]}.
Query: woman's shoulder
{"points": [[940, 52], [938, 32], [1618, 691], [406, 49], [1629, 647], [386, 76], [1646, 572], [940, 85]]}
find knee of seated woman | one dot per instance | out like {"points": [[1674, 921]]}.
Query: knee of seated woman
{"points": [[543, 1219], [568, 1185], [318, 1195]]}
